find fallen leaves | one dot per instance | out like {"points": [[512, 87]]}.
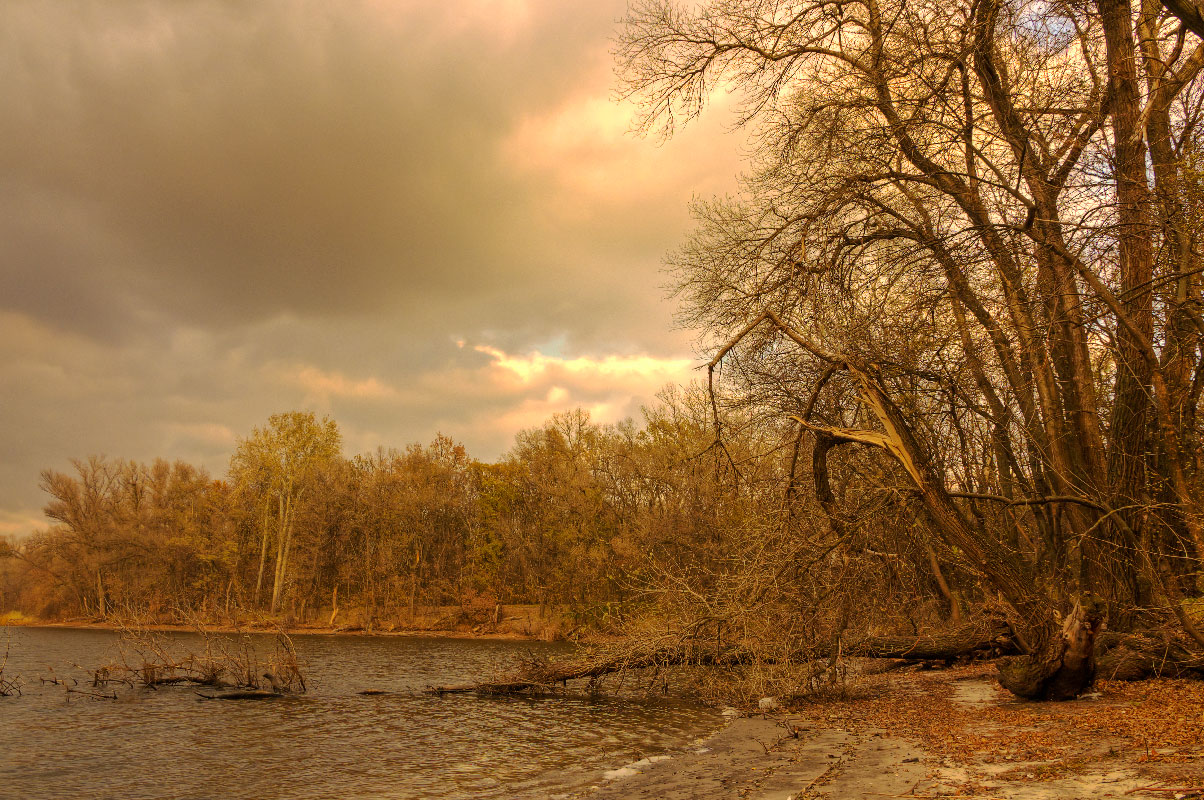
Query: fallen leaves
{"points": [[965, 719]]}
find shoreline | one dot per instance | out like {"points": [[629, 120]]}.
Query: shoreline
{"points": [[772, 757], [950, 733], [294, 630]]}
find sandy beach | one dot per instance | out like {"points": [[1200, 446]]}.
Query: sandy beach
{"points": [[953, 734], [758, 758]]}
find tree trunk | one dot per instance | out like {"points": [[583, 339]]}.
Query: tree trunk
{"points": [[1131, 410], [263, 557], [101, 606], [1062, 666], [281, 554], [951, 597], [1058, 665], [696, 652]]}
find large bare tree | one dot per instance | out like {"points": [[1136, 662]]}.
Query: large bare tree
{"points": [[949, 248]]}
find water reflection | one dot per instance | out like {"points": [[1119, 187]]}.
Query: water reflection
{"points": [[330, 743]]}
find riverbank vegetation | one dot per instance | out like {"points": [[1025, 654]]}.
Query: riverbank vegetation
{"points": [[965, 265], [565, 522]]}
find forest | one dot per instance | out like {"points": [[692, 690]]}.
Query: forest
{"points": [[295, 529], [955, 357]]}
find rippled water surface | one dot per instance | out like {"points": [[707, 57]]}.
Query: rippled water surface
{"points": [[328, 743]]}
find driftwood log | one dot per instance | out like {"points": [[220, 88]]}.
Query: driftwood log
{"points": [[986, 638], [279, 689], [1155, 653]]}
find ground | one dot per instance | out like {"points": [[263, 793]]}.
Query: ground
{"points": [[948, 733]]}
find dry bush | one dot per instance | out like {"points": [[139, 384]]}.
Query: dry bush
{"points": [[8, 686], [151, 658]]}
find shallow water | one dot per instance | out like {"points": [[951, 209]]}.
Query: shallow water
{"points": [[328, 743]]}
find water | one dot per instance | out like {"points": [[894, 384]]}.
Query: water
{"points": [[328, 743]]}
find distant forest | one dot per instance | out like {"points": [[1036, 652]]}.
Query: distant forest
{"points": [[567, 520]]}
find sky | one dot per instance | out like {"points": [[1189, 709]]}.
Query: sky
{"points": [[411, 216]]}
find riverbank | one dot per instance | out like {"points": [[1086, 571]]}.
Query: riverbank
{"points": [[518, 623], [943, 734]]}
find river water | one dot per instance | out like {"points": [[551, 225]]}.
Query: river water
{"points": [[328, 743]]}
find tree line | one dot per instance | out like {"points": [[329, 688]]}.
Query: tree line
{"points": [[565, 520]]}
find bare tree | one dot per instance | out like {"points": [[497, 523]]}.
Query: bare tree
{"points": [[948, 250]]}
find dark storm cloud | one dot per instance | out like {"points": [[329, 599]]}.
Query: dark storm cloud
{"points": [[231, 160]]}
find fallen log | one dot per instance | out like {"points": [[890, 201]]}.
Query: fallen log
{"points": [[544, 676], [990, 638], [1146, 654], [196, 680], [980, 637]]}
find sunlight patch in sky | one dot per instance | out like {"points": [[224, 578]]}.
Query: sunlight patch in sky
{"points": [[616, 370]]}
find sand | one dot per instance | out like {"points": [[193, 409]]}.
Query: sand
{"points": [[785, 756], [756, 758]]}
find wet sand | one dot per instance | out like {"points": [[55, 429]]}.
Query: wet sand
{"points": [[758, 759]]}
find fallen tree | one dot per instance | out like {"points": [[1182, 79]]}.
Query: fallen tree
{"points": [[1122, 657], [982, 638]]}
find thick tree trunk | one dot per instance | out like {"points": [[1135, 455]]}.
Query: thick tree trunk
{"points": [[1059, 663], [1135, 656], [1190, 13], [1131, 410], [1061, 666]]}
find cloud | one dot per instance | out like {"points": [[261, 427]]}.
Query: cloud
{"points": [[227, 162], [317, 383], [610, 371], [214, 211], [199, 434], [18, 522], [610, 387]]}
